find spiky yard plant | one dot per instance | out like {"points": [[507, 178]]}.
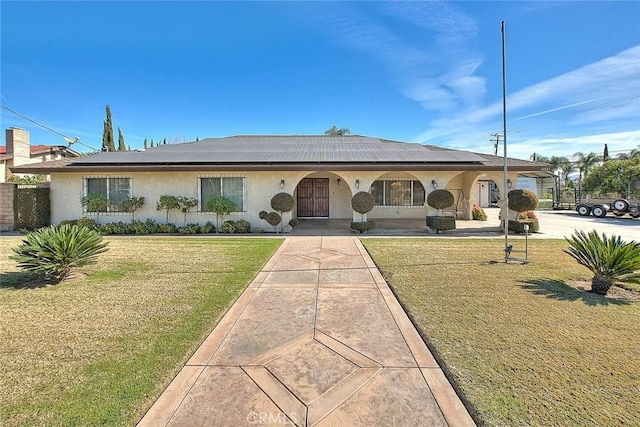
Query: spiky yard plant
{"points": [[53, 251], [610, 259]]}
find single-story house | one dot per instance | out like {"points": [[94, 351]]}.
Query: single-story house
{"points": [[19, 151], [322, 173]]}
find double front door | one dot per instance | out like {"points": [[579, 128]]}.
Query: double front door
{"points": [[313, 198]]}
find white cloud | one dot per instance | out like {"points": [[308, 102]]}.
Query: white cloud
{"points": [[437, 70], [548, 146], [579, 108]]}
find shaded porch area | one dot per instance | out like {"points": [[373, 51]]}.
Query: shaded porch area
{"points": [[398, 227]]}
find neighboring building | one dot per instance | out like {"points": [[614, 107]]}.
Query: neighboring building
{"points": [[321, 172], [19, 151]]}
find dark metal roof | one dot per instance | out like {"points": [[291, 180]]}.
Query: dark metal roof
{"points": [[291, 152], [285, 149]]}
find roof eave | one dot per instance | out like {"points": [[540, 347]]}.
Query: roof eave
{"points": [[41, 168]]}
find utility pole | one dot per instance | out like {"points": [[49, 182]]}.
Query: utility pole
{"points": [[496, 143], [505, 199]]}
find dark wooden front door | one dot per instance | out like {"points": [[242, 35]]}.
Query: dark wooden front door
{"points": [[313, 197]]}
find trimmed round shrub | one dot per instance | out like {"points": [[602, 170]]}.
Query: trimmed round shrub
{"points": [[363, 226], [440, 199], [242, 226], [53, 251], [273, 218], [282, 202], [228, 227], [518, 226], [522, 200], [441, 223], [263, 215], [362, 202], [294, 222]]}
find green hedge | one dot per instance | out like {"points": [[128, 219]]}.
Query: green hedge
{"points": [[441, 223], [31, 208], [518, 226], [363, 226]]}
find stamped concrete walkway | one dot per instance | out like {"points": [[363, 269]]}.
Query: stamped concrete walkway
{"points": [[317, 339]]}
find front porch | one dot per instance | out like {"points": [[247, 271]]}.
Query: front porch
{"points": [[398, 227]]}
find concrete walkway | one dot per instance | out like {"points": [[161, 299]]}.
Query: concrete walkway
{"points": [[317, 338]]}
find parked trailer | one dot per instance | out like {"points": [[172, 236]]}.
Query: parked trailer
{"points": [[618, 207]]}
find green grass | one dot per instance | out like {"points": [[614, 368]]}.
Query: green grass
{"points": [[522, 346], [99, 350]]}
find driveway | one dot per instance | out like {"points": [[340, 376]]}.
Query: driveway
{"points": [[557, 224]]}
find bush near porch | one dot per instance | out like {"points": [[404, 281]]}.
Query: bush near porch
{"points": [[522, 346], [100, 349]]}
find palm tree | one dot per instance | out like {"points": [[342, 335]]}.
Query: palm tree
{"points": [[585, 164], [566, 167], [555, 162], [630, 155], [333, 130], [535, 157]]}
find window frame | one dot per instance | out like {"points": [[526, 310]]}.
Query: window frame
{"points": [[385, 182], [110, 207], [201, 206]]}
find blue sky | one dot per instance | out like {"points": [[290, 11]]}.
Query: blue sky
{"points": [[426, 72]]}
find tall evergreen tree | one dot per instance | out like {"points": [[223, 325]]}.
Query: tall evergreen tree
{"points": [[164, 141], [108, 143], [144, 144], [152, 144], [121, 145], [605, 154]]}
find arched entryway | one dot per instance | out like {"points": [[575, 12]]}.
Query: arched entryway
{"points": [[313, 198], [323, 195]]}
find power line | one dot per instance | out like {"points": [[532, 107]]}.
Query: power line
{"points": [[68, 139]]}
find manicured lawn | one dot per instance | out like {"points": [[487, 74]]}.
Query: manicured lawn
{"points": [[100, 350], [524, 348]]}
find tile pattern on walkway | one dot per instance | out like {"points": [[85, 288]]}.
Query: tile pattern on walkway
{"points": [[317, 338]]}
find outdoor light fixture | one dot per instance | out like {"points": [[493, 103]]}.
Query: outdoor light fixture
{"points": [[434, 184], [282, 183], [339, 181], [357, 183], [509, 183]]}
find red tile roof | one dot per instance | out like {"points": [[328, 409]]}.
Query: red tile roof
{"points": [[34, 148]]}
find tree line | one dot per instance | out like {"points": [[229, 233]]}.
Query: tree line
{"points": [[597, 174], [108, 140]]}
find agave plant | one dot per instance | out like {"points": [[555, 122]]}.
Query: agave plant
{"points": [[610, 259], [53, 251]]}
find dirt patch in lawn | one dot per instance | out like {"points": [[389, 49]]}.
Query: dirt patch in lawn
{"points": [[615, 293]]}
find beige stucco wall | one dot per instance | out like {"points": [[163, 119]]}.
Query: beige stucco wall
{"points": [[260, 187]]}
